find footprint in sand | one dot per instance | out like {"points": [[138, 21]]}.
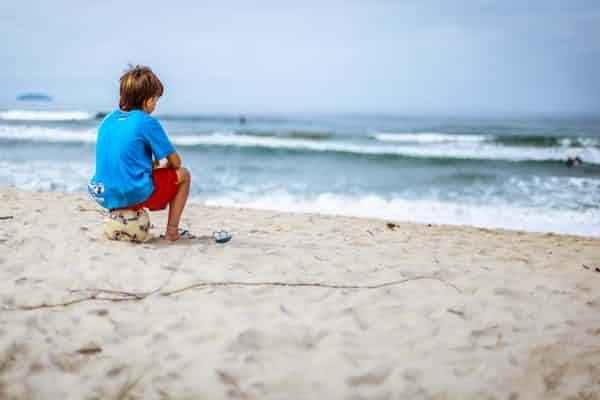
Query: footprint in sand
{"points": [[374, 377], [247, 340]]}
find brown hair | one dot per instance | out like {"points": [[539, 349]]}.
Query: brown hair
{"points": [[138, 84]]}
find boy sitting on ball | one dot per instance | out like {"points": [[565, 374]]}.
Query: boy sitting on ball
{"points": [[127, 139]]}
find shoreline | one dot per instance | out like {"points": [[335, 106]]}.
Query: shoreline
{"points": [[422, 311], [396, 221], [199, 203]]}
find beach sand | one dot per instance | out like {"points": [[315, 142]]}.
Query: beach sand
{"points": [[473, 313]]}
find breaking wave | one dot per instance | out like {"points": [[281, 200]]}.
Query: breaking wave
{"points": [[457, 150], [464, 151], [26, 115], [426, 137]]}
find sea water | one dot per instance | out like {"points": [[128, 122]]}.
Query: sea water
{"points": [[487, 172]]}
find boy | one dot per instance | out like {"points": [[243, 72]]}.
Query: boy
{"points": [[127, 139]]}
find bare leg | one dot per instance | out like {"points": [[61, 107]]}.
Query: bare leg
{"points": [[178, 203]]}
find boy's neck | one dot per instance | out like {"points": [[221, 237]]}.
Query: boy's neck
{"points": [[135, 109]]}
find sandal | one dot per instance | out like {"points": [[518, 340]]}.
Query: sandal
{"points": [[222, 236], [183, 234]]}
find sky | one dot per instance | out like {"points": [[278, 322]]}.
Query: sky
{"points": [[352, 56]]}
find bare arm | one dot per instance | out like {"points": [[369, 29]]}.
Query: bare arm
{"points": [[173, 160]]}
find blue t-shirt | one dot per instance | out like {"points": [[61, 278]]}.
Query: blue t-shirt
{"points": [[124, 148]]}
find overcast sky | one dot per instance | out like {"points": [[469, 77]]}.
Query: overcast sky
{"points": [[309, 56]]}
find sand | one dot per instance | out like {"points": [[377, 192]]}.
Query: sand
{"points": [[473, 313]]}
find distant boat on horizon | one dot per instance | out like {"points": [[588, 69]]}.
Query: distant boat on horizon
{"points": [[34, 97]]}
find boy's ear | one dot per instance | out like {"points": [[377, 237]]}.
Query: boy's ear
{"points": [[149, 104]]}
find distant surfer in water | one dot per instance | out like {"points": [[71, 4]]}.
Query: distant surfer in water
{"points": [[574, 161]]}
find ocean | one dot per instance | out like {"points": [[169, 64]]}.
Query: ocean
{"points": [[486, 172]]}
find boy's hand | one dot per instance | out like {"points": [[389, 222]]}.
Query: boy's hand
{"points": [[160, 164]]}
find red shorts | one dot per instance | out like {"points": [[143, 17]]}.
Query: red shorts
{"points": [[165, 188]]}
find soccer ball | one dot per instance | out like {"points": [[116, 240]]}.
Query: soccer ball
{"points": [[127, 225]]}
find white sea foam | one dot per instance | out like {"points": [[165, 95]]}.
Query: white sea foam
{"points": [[71, 176], [28, 115], [585, 222], [581, 141], [47, 134], [426, 137]]}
